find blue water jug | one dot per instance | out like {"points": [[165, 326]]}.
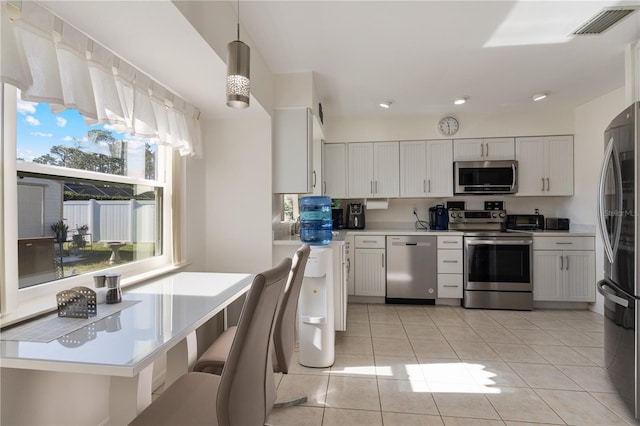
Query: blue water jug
{"points": [[315, 220]]}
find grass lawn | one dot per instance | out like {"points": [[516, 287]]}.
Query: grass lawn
{"points": [[96, 257]]}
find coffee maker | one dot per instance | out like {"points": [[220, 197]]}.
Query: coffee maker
{"points": [[355, 216], [438, 218]]}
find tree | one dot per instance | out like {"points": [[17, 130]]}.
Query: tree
{"points": [[75, 158], [117, 148]]}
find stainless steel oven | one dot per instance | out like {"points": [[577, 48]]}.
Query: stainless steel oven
{"points": [[498, 270]]}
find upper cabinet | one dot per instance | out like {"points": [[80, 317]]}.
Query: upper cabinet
{"points": [[545, 165], [373, 170], [426, 168], [293, 151], [334, 170], [483, 149]]}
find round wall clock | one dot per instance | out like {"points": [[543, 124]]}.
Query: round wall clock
{"points": [[448, 126]]}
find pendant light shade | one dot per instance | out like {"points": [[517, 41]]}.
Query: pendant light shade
{"points": [[238, 78]]}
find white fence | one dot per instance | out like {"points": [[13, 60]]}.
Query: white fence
{"points": [[132, 221]]}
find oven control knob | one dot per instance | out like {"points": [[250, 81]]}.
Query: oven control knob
{"points": [[494, 215], [502, 215], [453, 215], [460, 215]]}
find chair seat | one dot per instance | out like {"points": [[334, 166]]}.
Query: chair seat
{"points": [[190, 400], [213, 359]]}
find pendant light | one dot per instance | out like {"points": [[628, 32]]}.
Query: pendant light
{"points": [[238, 70]]}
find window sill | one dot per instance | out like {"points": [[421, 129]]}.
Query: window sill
{"points": [[44, 305]]}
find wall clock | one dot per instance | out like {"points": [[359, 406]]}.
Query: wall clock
{"points": [[448, 126]]}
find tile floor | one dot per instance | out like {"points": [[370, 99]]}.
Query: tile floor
{"points": [[444, 365]]}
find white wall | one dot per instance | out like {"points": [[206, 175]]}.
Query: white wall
{"points": [[591, 121], [238, 194]]}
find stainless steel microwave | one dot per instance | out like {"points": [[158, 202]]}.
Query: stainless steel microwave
{"points": [[485, 177]]}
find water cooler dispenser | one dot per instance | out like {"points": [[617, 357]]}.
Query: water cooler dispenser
{"points": [[316, 329]]}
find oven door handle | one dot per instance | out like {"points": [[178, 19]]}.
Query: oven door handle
{"points": [[608, 294], [513, 180], [509, 242]]}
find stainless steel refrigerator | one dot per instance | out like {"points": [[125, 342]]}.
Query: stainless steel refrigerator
{"points": [[618, 223]]}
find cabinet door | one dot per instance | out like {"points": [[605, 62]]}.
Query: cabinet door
{"points": [[370, 272], [360, 170], [386, 169], [560, 165], [530, 154], [580, 276], [468, 149], [334, 171], [292, 151], [316, 178], [413, 169], [547, 276], [499, 149], [439, 168]]}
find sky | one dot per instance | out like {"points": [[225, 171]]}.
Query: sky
{"points": [[38, 129]]}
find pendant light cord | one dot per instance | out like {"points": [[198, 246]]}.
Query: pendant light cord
{"points": [[238, 20]]}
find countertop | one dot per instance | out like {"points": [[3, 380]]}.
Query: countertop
{"points": [[339, 236]]}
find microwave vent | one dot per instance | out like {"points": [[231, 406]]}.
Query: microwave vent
{"points": [[604, 20]]}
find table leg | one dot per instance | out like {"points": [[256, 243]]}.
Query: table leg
{"points": [[181, 358], [128, 396]]}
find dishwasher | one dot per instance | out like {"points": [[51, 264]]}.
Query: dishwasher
{"points": [[411, 269]]}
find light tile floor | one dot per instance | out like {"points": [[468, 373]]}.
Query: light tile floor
{"points": [[444, 365]]}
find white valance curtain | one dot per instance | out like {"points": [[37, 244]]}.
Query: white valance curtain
{"points": [[51, 61]]}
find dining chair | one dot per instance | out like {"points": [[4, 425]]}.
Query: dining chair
{"points": [[242, 394], [213, 359]]}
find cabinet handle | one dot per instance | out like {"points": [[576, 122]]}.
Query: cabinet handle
{"points": [[348, 265], [561, 263], [481, 150], [369, 241], [564, 243], [383, 260], [449, 242], [376, 187], [449, 261], [429, 185], [314, 179], [487, 145], [424, 185], [450, 285], [324, 184], [372, 187], [548, 185], [28, 244], [567, 264], [542, 179]]}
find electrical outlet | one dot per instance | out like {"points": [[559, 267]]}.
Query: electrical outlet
{"points": [[414, 209]]}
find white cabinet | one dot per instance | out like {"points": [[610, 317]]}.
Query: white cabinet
{"points": [[292, 151], [545, 165], [450, 267], [334, 170], [564, 269], [370, 266], [426, 168], [483, 149], [373, 170]]}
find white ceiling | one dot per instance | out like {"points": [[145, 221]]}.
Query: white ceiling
{"points": [[421, 54]]}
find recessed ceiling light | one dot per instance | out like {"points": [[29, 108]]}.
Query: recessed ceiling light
{"points": [[460, 101], [539, 96], [386, 104]]}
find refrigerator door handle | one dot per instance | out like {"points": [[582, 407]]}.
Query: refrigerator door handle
{"points": [[602, 285], [608, 247]]}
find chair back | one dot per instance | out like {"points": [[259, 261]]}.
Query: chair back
{"points": [[247, 390], [284, 332]]}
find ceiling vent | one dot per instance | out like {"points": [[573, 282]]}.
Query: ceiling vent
{"points": [[604, 20]]}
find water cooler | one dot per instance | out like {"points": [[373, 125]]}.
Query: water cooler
{"points": [[316, 331]]}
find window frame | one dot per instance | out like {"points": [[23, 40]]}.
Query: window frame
{"points": [[15, 303]]}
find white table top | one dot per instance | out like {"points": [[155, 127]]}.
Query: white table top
{"points": [[171, 307]]}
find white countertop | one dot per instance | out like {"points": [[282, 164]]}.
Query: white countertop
{"points": [[171, 307]]}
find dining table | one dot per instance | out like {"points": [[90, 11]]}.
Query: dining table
{"points": [[158, 319]]}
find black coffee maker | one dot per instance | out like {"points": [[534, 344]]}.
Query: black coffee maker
{"points": [[337, 218], [438, 218], [355, 216]]}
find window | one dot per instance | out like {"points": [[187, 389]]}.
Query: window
{"points": [[88, 199]]}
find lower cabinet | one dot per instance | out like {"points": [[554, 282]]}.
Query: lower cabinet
{"points": [[370, 266], [450, 267], [564, 275]]}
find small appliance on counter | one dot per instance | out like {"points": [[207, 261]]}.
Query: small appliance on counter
{"points": [[557, 223], [438, 218], [355, 216], [525, 222], [337, 217]]}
